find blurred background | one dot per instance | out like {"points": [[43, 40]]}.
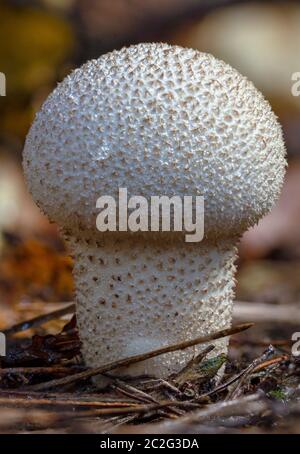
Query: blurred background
{"points": [[42, 40]]}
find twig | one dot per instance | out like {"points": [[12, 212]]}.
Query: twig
{"points": [[139, 409], [159, 383], [248, 371], [40, 370], [40, 320], [232, 380], [108, 410], [133, 392], [252, 404], [111, 424], [87, 397], [142, 396], [220, 388], [142, 357], [270, 362], [33, 402], [182, 376]]}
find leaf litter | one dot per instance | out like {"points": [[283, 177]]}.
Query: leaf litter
{"points": [[46, 375]]}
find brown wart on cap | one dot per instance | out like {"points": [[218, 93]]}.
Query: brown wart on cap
{"points": [[158, 120]]}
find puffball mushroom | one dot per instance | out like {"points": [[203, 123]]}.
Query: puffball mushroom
{"points": [[158, 120]]}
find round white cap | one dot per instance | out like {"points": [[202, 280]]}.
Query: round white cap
{"points": [[158, 120]]}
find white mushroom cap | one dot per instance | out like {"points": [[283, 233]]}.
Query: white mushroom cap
{"points": [[157, 120]]}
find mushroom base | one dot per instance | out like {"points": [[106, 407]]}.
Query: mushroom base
{"points": [[135, 296]]}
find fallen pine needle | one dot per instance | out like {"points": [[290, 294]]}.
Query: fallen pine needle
{"points": [[40, 370], [234, 393], [270, 362], [237, 377], [253, 404], [139, 409], [33, 402]]}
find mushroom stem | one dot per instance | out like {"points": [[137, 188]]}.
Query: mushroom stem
{"points": [[134, 296]]}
